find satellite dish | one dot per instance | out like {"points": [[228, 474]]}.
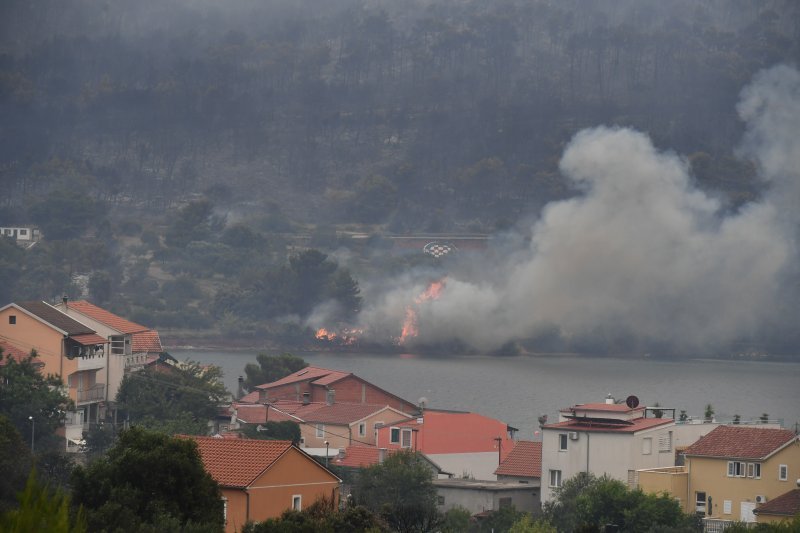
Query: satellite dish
{"points": [[632, 401]]}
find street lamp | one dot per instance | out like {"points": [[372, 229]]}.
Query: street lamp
{"points": [[327, 445], [33, 427]]}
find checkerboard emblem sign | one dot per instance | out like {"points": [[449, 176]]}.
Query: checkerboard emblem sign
{"points": [[439, 249]]}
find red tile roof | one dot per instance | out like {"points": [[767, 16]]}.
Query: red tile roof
{"points": [[338, 413], [251, 397], [745, 442], [105, 317], [146, 342], [250, 413], [615, 407], [89, 339], [12, 352], [636, 424], [525, 460], [787, 504], [309, 373], [238, 462], [360, 456]]}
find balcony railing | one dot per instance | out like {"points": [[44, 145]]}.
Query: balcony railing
{"points": [[95, 393]]}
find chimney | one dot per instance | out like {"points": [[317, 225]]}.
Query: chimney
{"points": [[64, 300], [331, 397], [381, 455], [610, 400], [240, 392], [306, 398]]}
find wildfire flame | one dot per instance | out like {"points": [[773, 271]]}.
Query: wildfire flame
{"points": [[410, 323], [345, 336]]}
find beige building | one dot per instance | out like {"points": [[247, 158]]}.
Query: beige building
{"points": [[730, 472], [66, 348]]}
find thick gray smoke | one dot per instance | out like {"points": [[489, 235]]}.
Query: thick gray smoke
{"points": [[642, 253]]}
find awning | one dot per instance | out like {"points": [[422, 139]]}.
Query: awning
{"points": [[89, 339]]}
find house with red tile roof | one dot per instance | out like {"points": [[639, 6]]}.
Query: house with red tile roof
{"points": [[783, 508], [610, 438], [11, 352], [68, 348], [464, 443], [731, 471], [261, 479], [131, 345], [316, 384]]}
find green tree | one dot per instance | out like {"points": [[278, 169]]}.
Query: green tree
{"points": [[195, 222], [271, 368], [173, 399], [41, 509], [708, 415], [500, 520], [456, 520], [401, 491], [15, 463], [526, 524], [25, 393], [66, 214], [286, 430], [148, 480]]}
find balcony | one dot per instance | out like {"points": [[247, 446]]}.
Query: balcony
{"points": [[95, 393]]}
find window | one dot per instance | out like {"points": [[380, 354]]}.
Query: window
{"points": [[727, 506], [665, 442], [297, 502], [700, 502], [751, 470], [225, 509], [737, 469], [394, 436], [555, 478], [757, 470], [783, 472], [362, 429], [117, 344], [504, 503], [562, 441], [440, 500], [12, 319], [320, 430], [406, 439], [23, 232], [647, 446]]}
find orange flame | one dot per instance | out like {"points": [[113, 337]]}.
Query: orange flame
{"points": [[345, 336], [410, 323]]}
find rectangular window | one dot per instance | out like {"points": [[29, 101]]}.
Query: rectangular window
{"points": [[731, 468], [12, 319], [700, 502], [555, 478], [440, 500], [647, 446], [562, 441], [727, 506], [406, 439], [751, 470], [504, 503], [783, 472], [757, 470], [320, 430], [23, 232], [362, 429], [297, 502], [737, 469], [665, 442], [394, 436], [117, 344]]}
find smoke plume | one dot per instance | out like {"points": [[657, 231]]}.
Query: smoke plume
{"points": [[642, 253]]}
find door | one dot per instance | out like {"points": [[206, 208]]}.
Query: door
{"points": [[747, 512]]}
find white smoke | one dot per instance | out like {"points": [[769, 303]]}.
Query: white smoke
{"points": [[642, 252]]}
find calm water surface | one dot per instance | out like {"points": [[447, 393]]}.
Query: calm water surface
{"points": [[518, 389]]}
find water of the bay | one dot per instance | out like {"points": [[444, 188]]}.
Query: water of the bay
{"points": [[518, 389]]}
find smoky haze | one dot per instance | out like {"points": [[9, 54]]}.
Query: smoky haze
{"points": [[641, 253]]}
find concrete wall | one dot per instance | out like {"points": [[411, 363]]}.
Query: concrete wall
{"points": [[477, 465], [476, 500]]}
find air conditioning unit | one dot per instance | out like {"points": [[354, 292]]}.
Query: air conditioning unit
{"points": [[761, 498], [573, 435]]}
